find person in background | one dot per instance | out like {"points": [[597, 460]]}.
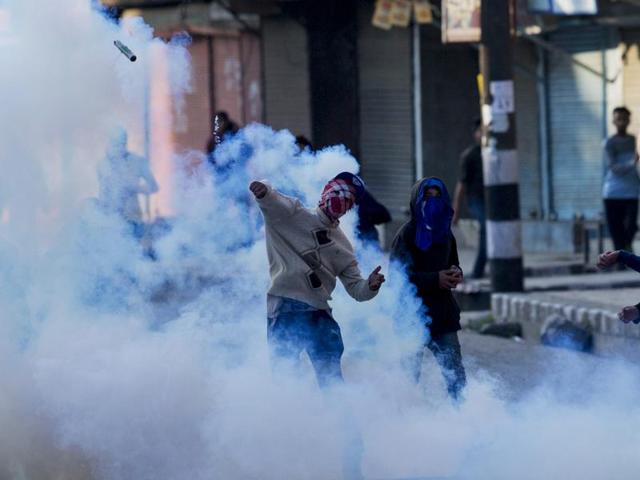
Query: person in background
{"points": [[370, 213], [226, 167], [303, 143], [223, 128], [621, 185], [307, 252], [427, 251], [122, 176], [622, 257], [471, 185]]}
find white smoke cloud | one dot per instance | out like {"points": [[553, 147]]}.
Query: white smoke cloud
{"points": [[118, 367]]}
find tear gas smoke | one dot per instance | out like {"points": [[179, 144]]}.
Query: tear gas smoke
{"points": [[118, 367]]}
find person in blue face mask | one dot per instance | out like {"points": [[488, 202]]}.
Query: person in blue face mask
{"points": [[427, 251]]}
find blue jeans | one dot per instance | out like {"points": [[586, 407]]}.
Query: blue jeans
{"points": [[476, 207], [446, 350], [295, 328]]}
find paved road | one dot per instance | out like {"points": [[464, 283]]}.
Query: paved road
{"points": [[521, 366]]}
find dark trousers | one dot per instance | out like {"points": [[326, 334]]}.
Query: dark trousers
{"points": [[476, 207], [622, 219], [316, 332], [446, 350]]}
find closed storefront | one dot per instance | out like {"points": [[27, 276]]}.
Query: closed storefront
{"points": [[578, 117], [236, 76], [193, 120], [450, 103], [226, 68], [386, 112], [286, 75], [226, 76]]}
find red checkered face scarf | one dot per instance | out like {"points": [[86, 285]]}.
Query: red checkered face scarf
{"points": [[337, 198]]}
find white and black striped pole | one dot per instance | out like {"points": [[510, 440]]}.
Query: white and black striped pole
{"points": [[499, 153]]}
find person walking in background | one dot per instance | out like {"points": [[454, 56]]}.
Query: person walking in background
{"points": [[621, 185], [307, 251], [426, 249], [471, 184], [622, 257]]}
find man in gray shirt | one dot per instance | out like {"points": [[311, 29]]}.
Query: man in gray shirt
{"points": [[621, 182]]}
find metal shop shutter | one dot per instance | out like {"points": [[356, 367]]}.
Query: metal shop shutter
{"points": [[577, 108], [228, 73], [192, 125], [386, 112], [449, 104], [251, 61], [286, 76]]}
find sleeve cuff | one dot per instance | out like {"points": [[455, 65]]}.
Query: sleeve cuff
{"points": [[637, 320], [371, 293], [269, 191], [623, 257]]}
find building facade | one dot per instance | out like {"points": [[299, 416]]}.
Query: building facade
{"points": [[402, 101]]}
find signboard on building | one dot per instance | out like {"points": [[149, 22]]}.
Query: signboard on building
{"points": [[460, 21], [401, 13], [398, 13], [422, 9], [564, 7], [382, 14]]}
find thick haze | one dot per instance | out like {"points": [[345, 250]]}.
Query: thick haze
{"points": [[114, 366]]}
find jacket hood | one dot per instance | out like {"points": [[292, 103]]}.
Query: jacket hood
{"points": [[421, 186]]}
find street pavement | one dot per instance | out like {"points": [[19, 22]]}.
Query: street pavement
{"points": [[517, 370], [519, 367]]}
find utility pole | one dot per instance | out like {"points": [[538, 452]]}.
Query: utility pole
{"points": [[499, 152]]}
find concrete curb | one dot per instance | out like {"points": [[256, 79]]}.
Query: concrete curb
{"points": [[521, 308]]}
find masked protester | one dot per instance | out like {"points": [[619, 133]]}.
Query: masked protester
{"points": [[427, 251], [307, 251]]}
